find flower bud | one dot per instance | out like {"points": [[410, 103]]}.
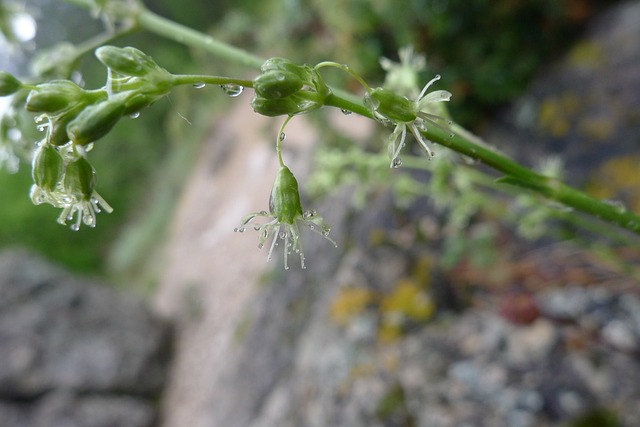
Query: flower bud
{"points": [[284, 202], [283, 64], [95, 121], [390, 105], [8, 84], [128, 61], [277, 84], [80, 179], [47, 167], [54, 96], [274, 107]]}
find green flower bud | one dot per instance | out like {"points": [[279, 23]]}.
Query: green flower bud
{"points": [[47, 167], [95, 121], [80, 179], [54, 96], [283, 64], [284, 202], [274, 107], [128, 61], [277, 84], [137, 102], [390, 105], [8, 84]]}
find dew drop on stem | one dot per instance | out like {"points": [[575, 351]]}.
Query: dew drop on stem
{"points": [[396, 162], [232, 90], [282, 136], [135, 115], [346, 112], [199, 85]]}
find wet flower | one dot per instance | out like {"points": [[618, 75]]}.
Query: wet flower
{"points": [[284, 219], [74, 192], [391, 108]]}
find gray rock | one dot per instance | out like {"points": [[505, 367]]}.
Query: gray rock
{"points": [[104, 351]]}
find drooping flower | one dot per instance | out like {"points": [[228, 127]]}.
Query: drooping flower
{"points": [[416, 115], [70, 187], [284, 217]]}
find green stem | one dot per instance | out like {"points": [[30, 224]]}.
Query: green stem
{"points": [[185, 35], [280, 137], [552, 189], [189, 79], [345, 68]]}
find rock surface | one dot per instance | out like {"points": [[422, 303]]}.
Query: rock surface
{"points": [[74, 352]]}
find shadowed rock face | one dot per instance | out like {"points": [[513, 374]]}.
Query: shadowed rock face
{"points": [[75, 352]]}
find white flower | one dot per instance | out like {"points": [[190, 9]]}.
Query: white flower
{"points": [[283, 219], [414, 115]]}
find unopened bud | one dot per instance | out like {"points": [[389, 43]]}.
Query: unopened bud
{"points": [[128, 61], [47, 167], [277, 84], [80, 179], [54, 96], [274, 107], [284, 202], [8, 84], [95, 121]]}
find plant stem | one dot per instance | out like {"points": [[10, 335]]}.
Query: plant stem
{"points": [[185, 35], [188, 79], [552, 189]]}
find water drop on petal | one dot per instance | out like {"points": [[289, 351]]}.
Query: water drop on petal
{"points": [[232, 90]]}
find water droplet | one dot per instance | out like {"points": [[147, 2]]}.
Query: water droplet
{"points": [[396, 162], [282, 136], [74, 227], [199, 85], [135, 115], [263, 213], [325, 232], [280, 77], [41, 128], [257, 227], [239, 229], [437, 77], [308, 214], [346, 112], [451, 135], [232, 89], [283, 234]]}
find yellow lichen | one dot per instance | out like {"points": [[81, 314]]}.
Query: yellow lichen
{"points": [[587, 55], [597, 128], [350, 302], [556, 115], [618, 177]]}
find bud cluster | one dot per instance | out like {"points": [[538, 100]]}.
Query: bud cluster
{"points": [[286, 88], [74, 118], [64, 178]]}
